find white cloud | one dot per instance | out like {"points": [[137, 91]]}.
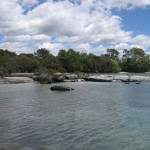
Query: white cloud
{"points": [[54, 25], [27, 38], [53, 48], [69, 20], [18, 47], [27, 4], [24, 43], [89, 48], [121, 46], [143, 40], [126, 4], [86, 48]]}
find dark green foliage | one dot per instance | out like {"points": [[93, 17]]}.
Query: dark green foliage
{"points": [[133, 60], [26, 64], [73, 61], [113, 53], [7, 61], [70, 60], [47, 60]]}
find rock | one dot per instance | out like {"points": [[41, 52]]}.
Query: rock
{"points": [[99, 79], [131, 78], [139, 82], [61, 88], [71, 76], [121, 78], [15, 80], [139, 78], [43, 78], [30, 75], [127, 78], [2, 80], [58, 77]]}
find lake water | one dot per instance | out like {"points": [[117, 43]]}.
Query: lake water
{"points": [[95, 116]]}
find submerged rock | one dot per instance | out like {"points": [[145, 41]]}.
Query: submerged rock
{"points": [[61, 88]]}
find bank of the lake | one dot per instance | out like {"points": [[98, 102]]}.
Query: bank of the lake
{"points": [[70, 77], [15, 80]]}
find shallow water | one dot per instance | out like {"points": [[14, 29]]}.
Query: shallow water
{"points": [[95, 116]]}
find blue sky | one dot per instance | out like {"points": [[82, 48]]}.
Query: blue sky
{"points": [[89, 26], [136, 20]]}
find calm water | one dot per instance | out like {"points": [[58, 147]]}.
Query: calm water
{"points": [[95, 116]]}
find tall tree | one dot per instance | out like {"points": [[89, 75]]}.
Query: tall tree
{"points": [[135, 60], [113, 53]]}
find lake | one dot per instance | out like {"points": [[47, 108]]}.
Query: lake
{"points": [[94, 116]]}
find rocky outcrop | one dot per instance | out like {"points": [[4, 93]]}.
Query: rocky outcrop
{"points": [[101, 78], [43, 78], [30, 75], [131, 78], [71, 76], [15, 80], [140, 78], [61, 88], [118, 78], [58, 77]]}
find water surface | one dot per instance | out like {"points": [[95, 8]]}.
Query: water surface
{"points": [[95, 116]]}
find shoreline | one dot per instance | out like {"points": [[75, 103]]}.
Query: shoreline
{"points": [[92, 78], [15, 80]]}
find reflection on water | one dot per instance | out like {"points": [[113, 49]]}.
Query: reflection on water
{"points": [[95, 116]]}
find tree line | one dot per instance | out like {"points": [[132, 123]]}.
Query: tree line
{"points": [[133, 60]]}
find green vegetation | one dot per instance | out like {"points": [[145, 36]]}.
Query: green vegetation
{"points": [[133, 60]]}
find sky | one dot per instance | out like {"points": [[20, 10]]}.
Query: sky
{"points": [[89, 26]]}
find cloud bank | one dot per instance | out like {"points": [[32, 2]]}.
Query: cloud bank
{"points": [[26, 25]]}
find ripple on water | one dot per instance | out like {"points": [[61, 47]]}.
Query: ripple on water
{"points": [[107, 116]]}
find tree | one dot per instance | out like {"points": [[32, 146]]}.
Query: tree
{"points": [[70, 60], [113, 53], [26, 64], [126, 54], [115, 66], [135, 60], [41, 53], [106, 64], [7, 60], [47, 60]]}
